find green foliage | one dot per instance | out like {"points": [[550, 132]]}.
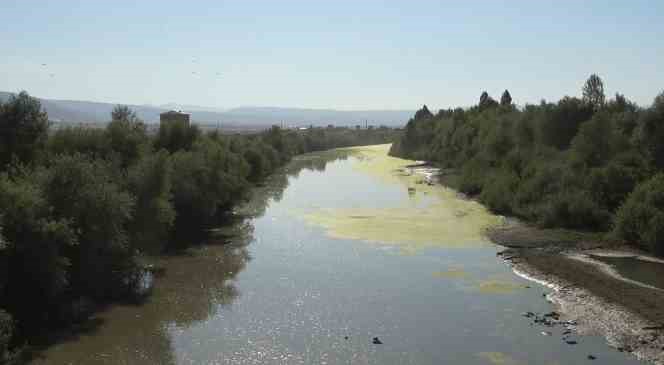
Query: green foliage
{"points": [[506, 99], [23, 129], [486, 101], [79, 208], [641, 218], [649, 132], [37, 242], [591, 147], [6, 334], [206, 181], [558, 124], [593, 92], [71, 140], [569, 164], [498, 195], [85, 192], [176, 135], [150, 182], [126, 135]]}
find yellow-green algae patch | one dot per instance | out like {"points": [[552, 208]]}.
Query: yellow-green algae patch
{"points": [[498, 358], [498, 287], [451, 273], [430, 216]]}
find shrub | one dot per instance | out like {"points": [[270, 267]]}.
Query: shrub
{"points": [[573, 209], [640, 220], [150, 181], [85, 192], [36, 246], [23, 129], [6, 333], [498, 193]]}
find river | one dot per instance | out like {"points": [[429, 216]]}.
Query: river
{"points": [[339, 248]]}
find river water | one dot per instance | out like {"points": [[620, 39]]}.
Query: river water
{"points": [[338, 248]]}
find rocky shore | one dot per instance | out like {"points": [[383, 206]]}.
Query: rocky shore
{"points": [[585, 291]]}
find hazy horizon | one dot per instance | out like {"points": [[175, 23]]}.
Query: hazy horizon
{"points": [[342, 56]]}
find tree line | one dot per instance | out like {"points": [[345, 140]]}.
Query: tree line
{"points": [[583, 163], [80, 207]]}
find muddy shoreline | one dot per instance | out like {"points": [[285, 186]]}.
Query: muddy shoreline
{"points": [[585, 291], [629, 314]]}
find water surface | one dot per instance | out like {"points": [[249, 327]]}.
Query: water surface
{"points": [[337, 250], [643, 271]]}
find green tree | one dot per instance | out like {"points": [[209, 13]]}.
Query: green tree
{"points": [[506, 99], [23, 129], [640, 219], [486, 101], [560, 122], [175, 136], [127, 135], [86, 192], [593, 91], [591, 146], [150, 181], [649, 132], [37, 245]]}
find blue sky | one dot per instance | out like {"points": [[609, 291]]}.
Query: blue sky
{"points": [[329, 54]]}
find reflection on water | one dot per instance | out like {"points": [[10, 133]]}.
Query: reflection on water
{"points": [[642, 271], [276, 288]]}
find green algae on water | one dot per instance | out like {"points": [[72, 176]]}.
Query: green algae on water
{"points": [[433, 216], [498, 358], [451, 273]]}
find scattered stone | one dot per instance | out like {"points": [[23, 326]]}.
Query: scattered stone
{"points": [[567, 332], [345, 337], [376, 341], [546, 333], [591, 357], [571, 342], [528, 314]]}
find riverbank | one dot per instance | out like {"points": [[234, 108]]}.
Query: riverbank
{"points": [[628, 313]]}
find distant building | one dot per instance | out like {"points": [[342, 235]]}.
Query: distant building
{"points": [[174, 116]]}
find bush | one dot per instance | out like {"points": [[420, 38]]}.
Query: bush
{"points": [[574, 209], [498, 194], [23, 129], [70, 140], [6, 333], [85, 192], [640, 220], [150, 181], [37, 243]]}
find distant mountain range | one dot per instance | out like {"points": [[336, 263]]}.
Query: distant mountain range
{"points": [[74, 111]]}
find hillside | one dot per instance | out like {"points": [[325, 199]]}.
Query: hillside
{"points": [[95, 112]]}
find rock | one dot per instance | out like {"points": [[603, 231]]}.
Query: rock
{"points": [[345, 337], [376, 341], [528, 314], [546, 333], [553, 315], [571, 342], [591, 357]]}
